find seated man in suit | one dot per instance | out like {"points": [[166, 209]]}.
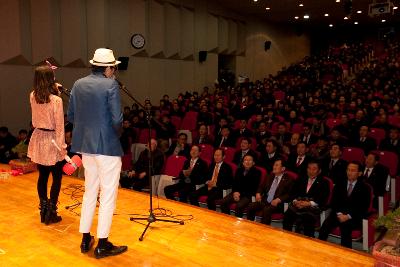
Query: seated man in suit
{"points": [[270, 198], [298, 162], [391, 143], [363, 141], [243, 131], [334, 167], [310, 194], [219, 177], [180, 147], [307, 137], [282, 136], [225, 139], [376, 175], [350, 204], [204, 137], [269, 155], [245, 184], [193, 173], [245, 149]]}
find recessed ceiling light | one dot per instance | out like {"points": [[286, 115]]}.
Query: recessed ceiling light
{"points": [[331, 25], [356, 22], [306, 16], [395, 7], [359, 11], [267, 8], [296, 17], [326, 15], [384, 20], [301, 4], [255, 0], [345, 18], [337, 1]]}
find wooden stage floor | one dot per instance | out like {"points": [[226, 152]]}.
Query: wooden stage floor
{"points": [[209, 239]]}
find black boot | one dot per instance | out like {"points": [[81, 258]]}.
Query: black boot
{"points": [[43, 209], [51, 214]]}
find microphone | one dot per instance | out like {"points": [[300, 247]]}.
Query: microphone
{"points": [[72, 163]]}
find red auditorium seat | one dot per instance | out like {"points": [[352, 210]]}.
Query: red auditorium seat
{"points": [[189, 122], [353, 153], [144, 135], [378, 134], [332, 122], [297, 128], [176, 121], [174, 165], [366, 234], [229, 153], [207, 152], [279, 95]]}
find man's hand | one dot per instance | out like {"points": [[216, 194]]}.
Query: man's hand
{"points": [[236, 196], [142, 175], [258, 197], [275, 202], [131, 174], [343, 218]]}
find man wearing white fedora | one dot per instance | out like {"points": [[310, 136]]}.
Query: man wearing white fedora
{"points": [[95, 111]]}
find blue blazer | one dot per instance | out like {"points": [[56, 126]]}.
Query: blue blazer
{"points": [[95, 110]]}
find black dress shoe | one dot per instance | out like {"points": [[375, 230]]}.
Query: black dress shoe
{"points": [[109, 250], [87, 245]]}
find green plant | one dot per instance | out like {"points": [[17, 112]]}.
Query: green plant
{"points": [[390, 221]]}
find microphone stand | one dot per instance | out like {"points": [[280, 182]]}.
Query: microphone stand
{"points": [[151, 218]]}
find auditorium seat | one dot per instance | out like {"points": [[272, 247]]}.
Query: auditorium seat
{"points": [[207, 152], [189, 121], [173, 166], [144, 135], [353, 154], [378, 134], [297, 128], [229, 153], [332, 122], [176, 121]]}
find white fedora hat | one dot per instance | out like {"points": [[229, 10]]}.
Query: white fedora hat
{"points": [[104, 57]]}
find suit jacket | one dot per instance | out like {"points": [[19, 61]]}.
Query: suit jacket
{"points": [[225, 175], [386, 145], [246, 185], [312, 140], [142, 164], [229, 142], [267, 162], [319, 191], [356, 204], [338, 171], [238, 159], [95, 110], [206, 140], [282, 191], [185, 152], [368, 145], [302, 168], [259, 137], [198, 174], [246, 133], [377, 179]]}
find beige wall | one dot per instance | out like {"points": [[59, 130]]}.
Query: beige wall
{"points": [[68, 32]]}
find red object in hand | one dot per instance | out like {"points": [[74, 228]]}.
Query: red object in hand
{"points": [[72, 164]]}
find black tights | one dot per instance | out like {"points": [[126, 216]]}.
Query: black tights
{"points": [[44, 173]]}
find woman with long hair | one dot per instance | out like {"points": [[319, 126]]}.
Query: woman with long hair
{"points": [[48, 121]]}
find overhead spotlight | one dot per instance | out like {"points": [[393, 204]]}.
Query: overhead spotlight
{"points": [[384, 20], [359, 11], [330, 25], [355, 22], [345, 18], [301, 4], [395, 7], [306, 16], [296, 17], [255, 0], [326, 15], [337, 1], [267, 8]]}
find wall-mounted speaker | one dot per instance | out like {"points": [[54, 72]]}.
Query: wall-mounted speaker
{"points": [[124, 63], [202, 56], [267, 45]]}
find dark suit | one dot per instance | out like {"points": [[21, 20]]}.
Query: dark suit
{"points": [[184, 152], [282, 192], [311, 140], [238, 158], [386, 145], [306, 217], [228, 142], [368, 145], [377, 179], [267, 162], [205, 140], [302, 168], [224, 181], [246, 185], [337, 171], [283, 139], [245, 133], [260, 136], [187, 185], [356, 205]]}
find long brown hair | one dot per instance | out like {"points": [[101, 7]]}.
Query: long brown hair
{"points": [[43, 84]]}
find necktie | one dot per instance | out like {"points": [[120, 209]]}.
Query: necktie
{"points": [[331, 165], [366, 174], [215, 174], [222, 141], [362, 139], [298, 161], [350, 189], [201, 140], [271, 192], [191, 164], [310, 183]]}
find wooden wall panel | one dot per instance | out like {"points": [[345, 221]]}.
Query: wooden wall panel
{"points": [[212, 33], [223, 35], [156, 29], [172, 41], [187, 33]]}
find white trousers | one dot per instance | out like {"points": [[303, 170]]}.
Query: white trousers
{"points": [[101, 172]]}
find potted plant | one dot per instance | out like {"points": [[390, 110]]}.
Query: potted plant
{"points": [[387, 251]]}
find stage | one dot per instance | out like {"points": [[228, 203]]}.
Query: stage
{"points": [[209, 239]]}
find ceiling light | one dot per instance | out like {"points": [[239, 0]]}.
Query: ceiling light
{"points": [[337, 1], [306, 16], [331, 25], [345, 18], [395, 7], [359, 11], [356, 22], [255, 0], [267, 8], [296, 17], [326, 15], [384, 20], [301, 4]]}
